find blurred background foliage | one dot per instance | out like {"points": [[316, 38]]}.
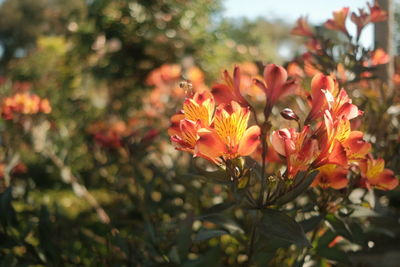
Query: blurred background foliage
{"points": [[87, 198]]}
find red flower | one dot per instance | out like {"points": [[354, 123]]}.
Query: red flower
{"points": [[302, 28], [276, 84], [376, 13], [360, 20]]}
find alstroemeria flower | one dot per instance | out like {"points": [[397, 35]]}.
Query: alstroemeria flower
{"points": [[230, 90], [331, 175], [186, 136], [276, 84], [338, 23], [341, 105], [377, 14], [378, 57], [229, 136], [331, 136], [314, 45], [320, 84], [24, 103], [374, 174], [294, 70], [360, 20], [199, 107], [355, 146], [302, 28], [299, 149]]}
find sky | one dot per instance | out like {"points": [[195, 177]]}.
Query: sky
{"points": [[318, 11]]}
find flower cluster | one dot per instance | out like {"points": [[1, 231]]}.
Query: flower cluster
{"points": [[215, 133], [331, 146], [215, 125], [356, 64], [24, 103]]}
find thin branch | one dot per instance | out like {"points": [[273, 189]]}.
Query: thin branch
{"points": [[78, 188]]}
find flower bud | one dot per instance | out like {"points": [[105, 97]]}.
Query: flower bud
{"points": [[289, 114]]}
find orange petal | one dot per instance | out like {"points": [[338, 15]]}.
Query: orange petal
{"points": [[278, 140], [387, 180], [338, 155], [210, 145], [249, 141], [222, 93], [174, 128], [275, 76]]}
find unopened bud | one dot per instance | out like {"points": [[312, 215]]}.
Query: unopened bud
{"points": [[289, 114]]}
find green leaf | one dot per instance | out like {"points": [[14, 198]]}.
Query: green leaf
{"points": [[278, 224], [311, 223], [183, 238], [338, 226], [174, 256], [46, 235], [358, 234], [8, 217], [210, 259], [301, 183], [223, 221], [334, 254], [219, 207], [205, 234], [326, 238], [219, 176]]}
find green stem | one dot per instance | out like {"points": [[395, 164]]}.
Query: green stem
{"points": [[252, 239]]}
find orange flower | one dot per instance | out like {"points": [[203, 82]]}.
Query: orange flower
{"points": [[294, 70], [229, 137], [276, 84], [331, 175], [338, 23], [187, 135], [319, 85], [355, 146], [24, 103], [302, 28], [197, 113], [341, 105], [300, 149], [360, 20], [379, 57], [376, 13], [331, 135], [199, 107], [230, 90], [314, 45], [108, 134], [164, 75], [374, 174], [45, 106]]}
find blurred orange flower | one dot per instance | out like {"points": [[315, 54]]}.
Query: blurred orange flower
{"points": [[302, 28], [338, 23]]}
